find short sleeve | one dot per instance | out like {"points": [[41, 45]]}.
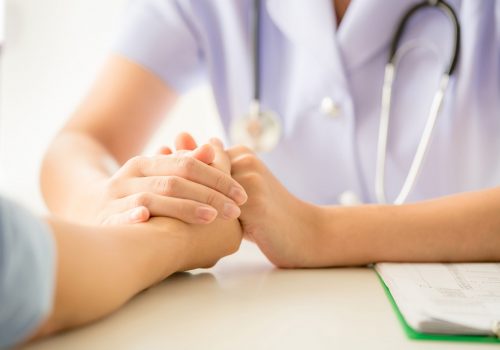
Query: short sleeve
{"points": [[27, 273], [159, 35]]}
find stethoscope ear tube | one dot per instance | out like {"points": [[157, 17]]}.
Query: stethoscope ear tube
{"points": [[448, 10], [389, 76]]}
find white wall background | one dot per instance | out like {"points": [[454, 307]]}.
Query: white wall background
{"points": [[51, 54]]}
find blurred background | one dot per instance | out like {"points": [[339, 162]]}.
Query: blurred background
{"points": [[50, 55]]}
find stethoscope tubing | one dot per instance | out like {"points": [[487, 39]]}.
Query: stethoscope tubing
{"points": [[448, 10], [258, 117], [389, 77], [256, 40]]}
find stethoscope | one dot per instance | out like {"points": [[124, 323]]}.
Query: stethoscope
{"points": [[260, 129]]}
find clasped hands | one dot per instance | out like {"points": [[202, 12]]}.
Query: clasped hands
{"points": [[208, 186]]}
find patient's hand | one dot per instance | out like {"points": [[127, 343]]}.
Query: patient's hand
{"points": [[202, 245]]}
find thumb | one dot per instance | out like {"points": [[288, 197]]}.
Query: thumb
{"points": [[221, 159]]}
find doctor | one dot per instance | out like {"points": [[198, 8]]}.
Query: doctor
{"points": [[319, 66]]}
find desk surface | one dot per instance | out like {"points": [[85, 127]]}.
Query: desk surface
{"points": [[244, 303]]}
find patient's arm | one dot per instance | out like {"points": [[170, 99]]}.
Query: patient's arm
{"points": [[100, 268]]}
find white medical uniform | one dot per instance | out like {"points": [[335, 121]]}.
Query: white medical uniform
{"points": [[306, 59]]}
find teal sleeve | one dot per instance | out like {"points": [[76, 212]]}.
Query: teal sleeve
{"points": [[27, 273]]}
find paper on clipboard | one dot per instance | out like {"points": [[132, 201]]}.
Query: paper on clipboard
{"points": [[446, 298]]}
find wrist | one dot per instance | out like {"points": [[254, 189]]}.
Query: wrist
{"points": [[154, 249], [352, 235], [310, 227], [341, 238], [170, 246], [324, 229]]}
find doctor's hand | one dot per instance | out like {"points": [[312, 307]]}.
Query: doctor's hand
{"points": [[284, 227], [192, 186]]}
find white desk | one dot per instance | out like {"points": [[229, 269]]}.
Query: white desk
{"points": [[244, 303]]}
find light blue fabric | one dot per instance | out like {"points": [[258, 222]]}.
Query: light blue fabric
{"points": [[27, 273], [306, 57]]}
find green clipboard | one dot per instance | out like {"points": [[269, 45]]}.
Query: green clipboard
{"points": [[413, 334]]}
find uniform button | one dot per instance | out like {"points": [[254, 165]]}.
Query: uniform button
{"points": [[349, 198], [330, 108]]}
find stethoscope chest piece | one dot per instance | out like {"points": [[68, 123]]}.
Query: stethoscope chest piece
{"points": [[260, 130]]}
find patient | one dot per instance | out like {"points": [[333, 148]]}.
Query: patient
{"points": [[55, 275]]}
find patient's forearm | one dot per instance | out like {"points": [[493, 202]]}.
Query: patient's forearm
{"points": [[464, 227], [99, 269]]}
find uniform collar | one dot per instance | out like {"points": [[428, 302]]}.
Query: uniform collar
{"points": [[366, 28], [303, 22], [310, 27]]}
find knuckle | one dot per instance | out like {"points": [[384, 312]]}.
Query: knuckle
{"points": [[221, 182], [243, 150], [211, 199], [167, 185], [142, 199], [186, 166], [136, 162], [247, 161], [112, 188], [251, 179]]}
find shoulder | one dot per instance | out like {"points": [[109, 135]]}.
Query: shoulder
{"points": [[216, 11]]}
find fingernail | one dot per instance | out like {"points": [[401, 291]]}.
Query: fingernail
{"points": [[238, 195], [136, 214], [231, 211], [206, 213]]}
